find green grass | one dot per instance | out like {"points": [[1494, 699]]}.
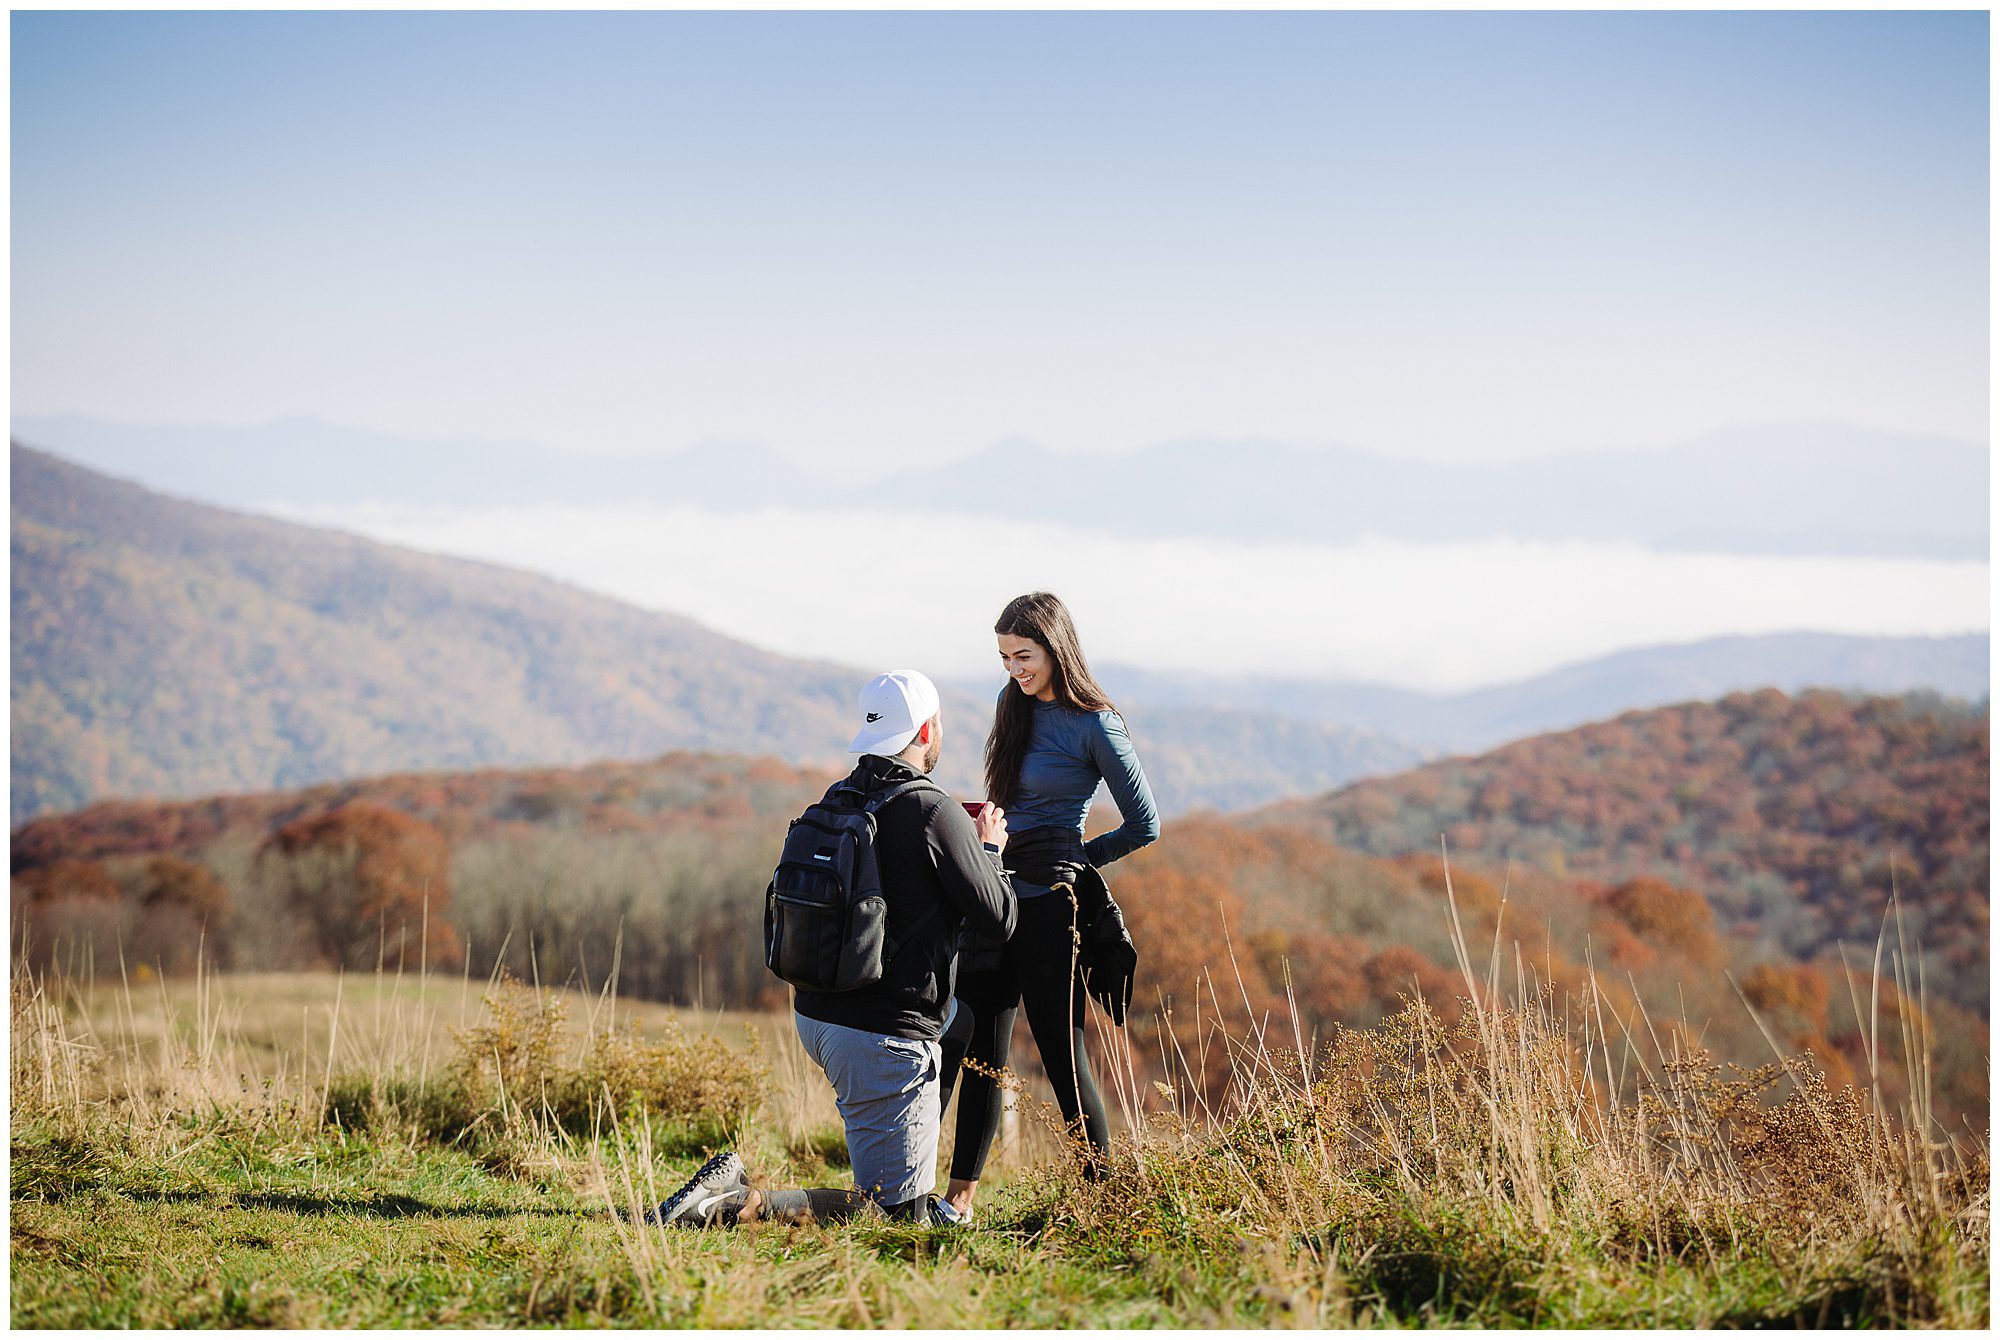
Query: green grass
{"points": [[262, 1227], [194, 1161], [265, 1228]]}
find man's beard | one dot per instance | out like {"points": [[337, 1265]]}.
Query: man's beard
{"points": [[931, 752]]}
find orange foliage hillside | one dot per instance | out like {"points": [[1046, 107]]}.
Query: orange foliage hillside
{"points": [[1793, 817]]}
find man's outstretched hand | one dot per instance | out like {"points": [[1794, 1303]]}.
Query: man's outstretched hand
{"points": [[992, 825]]}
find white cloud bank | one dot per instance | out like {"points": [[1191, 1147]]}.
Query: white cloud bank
{"points": [[874, 590]]}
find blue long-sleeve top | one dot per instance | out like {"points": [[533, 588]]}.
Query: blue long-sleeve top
{"points": [[1068, 753]]}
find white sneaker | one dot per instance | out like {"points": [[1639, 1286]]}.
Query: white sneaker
{"points": [[716, 1191]]}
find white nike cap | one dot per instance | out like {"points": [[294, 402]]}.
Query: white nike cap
{"points": [[893, 705]]}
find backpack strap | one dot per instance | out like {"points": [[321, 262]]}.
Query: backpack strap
{"points": [[872, 801], [887, 794], [890, 947]]}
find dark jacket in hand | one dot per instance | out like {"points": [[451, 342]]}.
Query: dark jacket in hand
{"points": [[1108, 958]]}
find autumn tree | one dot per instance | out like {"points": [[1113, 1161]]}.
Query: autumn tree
{"points": [[65, 880], [369, 885], [68, 915], [1323, 972], [1792, 997], [1399, 972], [184, 915], [1180, 923], [1668, 918]]}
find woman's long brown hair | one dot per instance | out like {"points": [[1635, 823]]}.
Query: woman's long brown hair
{"points": [[1043, 619]]}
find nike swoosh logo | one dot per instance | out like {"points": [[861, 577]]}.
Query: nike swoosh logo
{"points": [[702, 1207]]}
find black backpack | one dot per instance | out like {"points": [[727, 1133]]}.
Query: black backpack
{"points": [[825, 921]]}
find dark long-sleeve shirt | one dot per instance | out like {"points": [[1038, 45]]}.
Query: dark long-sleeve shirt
{"points": [[936, 875], [1068, 751]]}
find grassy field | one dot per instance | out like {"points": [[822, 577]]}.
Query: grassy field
{"points": [[381, 1151]]}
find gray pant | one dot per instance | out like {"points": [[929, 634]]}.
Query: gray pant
{"points": [[887, 1090]]}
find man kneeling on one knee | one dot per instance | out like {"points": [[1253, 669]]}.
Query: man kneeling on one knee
{"points": [[889, 1046]]}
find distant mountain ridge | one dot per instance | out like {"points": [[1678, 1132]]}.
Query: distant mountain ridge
{"points": [[1790, 490], [164, 648], [1780, 490], [1958, 666]]}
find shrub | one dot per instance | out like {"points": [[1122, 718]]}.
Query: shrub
{"points": [[512, 1077], [697, 1080]]}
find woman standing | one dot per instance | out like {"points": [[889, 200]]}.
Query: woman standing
{"points": [[1055, 736]]}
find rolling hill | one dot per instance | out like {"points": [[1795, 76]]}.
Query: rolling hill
{"points": [[1794, 817], [168, 648]]}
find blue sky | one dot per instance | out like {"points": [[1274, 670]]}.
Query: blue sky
{"points": [[881, 237]]}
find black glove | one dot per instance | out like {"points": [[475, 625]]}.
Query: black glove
{"points": [[1108, 958], [1107, 976]]}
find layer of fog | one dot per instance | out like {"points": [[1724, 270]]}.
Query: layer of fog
{"points": [[865, 590]]}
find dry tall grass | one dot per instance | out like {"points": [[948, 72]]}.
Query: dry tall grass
{"points": [[1479, 1166], [1511, 1166]]}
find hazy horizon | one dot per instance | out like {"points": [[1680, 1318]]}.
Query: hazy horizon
{"points": [[875, 468]]}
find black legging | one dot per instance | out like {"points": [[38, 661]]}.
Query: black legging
{"points": [[1037, 968]]}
